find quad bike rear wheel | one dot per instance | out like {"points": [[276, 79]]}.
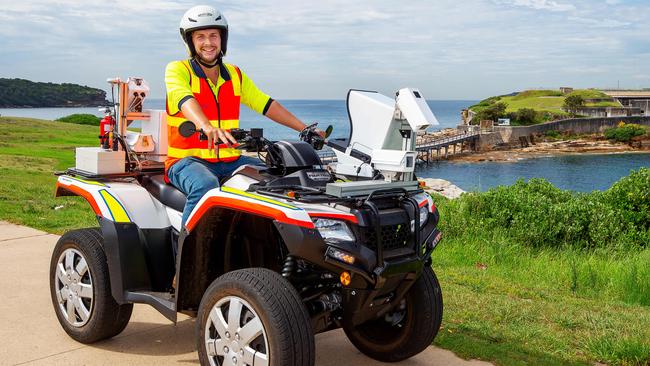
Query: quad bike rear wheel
{"points": [[80, 288], [254, 317], [408, 329]]}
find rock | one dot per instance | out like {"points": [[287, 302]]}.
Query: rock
{"points": [[441, 187]]}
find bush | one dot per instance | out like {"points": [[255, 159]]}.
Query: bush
{"points": [[573, 102], [625, 132], [491, 112], [555, 134], [81, 119], [537, 214], [526, 116]]}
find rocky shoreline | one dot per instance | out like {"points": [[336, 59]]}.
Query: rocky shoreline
{"points": [[442, 187], [595, 144], [553, 148]]}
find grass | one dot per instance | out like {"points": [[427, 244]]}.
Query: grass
{"points": [[550, 101], [81, 119], [30, 151], [536, 275], [506, 301], [514, 306]]}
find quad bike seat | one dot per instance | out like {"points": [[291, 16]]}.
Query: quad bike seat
{"points": [[167, 194]]}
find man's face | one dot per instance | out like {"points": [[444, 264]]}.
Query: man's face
{"points": [[207, 43]]}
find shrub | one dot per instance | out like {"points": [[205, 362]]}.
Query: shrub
{"points": [[81, 119], [624, 132], [491, 112], [573, 102], [552, 134], [527, 116], [537, 214]]}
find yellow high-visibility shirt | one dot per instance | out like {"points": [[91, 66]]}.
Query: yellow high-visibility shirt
{"points": [[177, 81]]}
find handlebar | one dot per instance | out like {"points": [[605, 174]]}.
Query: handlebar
{"points": [[253, 139]]}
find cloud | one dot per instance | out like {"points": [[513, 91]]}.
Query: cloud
{"points": [[540, 5], [600, 23], [294, 49]]}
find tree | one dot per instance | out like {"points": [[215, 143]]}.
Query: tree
{"points": [[572, 103], [491, 112], [526, 116]]}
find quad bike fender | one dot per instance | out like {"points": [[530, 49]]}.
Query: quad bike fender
{"points": [[238, 200], [140, 262], [117, 202]]}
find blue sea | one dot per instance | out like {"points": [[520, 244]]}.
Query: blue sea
{"points": [[582, 173]]}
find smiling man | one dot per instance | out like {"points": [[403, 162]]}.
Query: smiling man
{"points": [[205, 90]]}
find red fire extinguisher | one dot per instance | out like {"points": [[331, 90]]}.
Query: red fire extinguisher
{"points": [[106, 126]]}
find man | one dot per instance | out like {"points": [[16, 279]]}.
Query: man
{"points": [[208, 92]]}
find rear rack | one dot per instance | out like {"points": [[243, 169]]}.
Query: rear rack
{"points": [[107, 177]]}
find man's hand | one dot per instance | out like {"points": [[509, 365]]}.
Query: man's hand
{"points": [[320, 132], [215, 135]]}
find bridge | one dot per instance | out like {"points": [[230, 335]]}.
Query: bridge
{"points": [[442, 145], [426, 148]]}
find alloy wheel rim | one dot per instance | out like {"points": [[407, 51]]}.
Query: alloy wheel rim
{"points": [[235, 335], [74, 287]]}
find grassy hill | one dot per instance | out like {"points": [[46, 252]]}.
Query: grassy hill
{"points": [[546, 103], [531, 274]]}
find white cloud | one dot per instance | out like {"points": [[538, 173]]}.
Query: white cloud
{"points": [[293, 49], [540, 4], [600, 23]]}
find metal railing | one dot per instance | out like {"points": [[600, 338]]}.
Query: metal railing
{"points": [[446, 140]]}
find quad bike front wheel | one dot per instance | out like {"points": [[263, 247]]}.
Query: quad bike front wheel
{"points": [[408, 329], [80, 288], [253, 317]]}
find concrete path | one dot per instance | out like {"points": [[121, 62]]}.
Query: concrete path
{"points": [[30, 333]]}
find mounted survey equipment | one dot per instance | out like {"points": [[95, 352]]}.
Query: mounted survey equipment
{"points": [[383, 133], [127, 150]]}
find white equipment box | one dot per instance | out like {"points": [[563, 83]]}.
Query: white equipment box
{"points": [[100, 161]]}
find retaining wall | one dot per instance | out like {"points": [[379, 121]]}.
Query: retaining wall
{"points": [[511, 134]]}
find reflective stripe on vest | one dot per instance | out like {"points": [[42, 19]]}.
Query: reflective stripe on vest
{"points": [[222, 110]]}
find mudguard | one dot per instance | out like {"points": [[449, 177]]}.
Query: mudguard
{"points": [[117, 202], [255, 204]]}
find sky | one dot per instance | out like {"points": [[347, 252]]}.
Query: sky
{"points": [[320, 49]]}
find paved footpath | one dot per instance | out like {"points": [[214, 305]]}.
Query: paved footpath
{"points": [[30, 333]]}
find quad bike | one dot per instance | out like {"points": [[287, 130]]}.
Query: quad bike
{"points": [[276, 254]]}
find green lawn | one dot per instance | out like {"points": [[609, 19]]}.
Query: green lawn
{"points": [[542, 103], [551, 100], [509, 298], [515, 306], [30, 151]]}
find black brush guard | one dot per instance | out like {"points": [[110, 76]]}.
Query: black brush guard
{"points": [[395, 270]]}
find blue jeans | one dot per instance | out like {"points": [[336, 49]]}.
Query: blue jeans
{"points": [[195, 177]]}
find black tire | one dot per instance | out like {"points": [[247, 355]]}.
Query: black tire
{"points": [[287, 335], [106, 317], [412, 329]]}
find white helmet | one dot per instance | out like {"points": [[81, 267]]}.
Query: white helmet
{"points": [[203, 17]]}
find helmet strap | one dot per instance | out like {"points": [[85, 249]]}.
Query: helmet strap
{"points": [[216, 62]]}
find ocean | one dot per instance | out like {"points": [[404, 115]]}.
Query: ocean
{"points": [[582, 173]]}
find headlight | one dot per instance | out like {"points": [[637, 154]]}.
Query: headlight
{"points": [[424, 215], [335, 230]]}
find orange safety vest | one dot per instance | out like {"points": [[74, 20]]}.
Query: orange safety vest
{"points": [[222, 110]]}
